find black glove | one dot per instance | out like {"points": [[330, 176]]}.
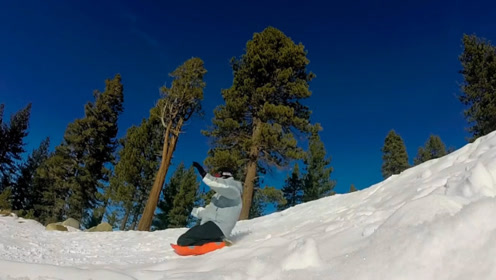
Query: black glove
{"points": [[200, 169]]}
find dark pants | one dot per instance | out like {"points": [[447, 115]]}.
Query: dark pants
{"points": [[201, 234]]}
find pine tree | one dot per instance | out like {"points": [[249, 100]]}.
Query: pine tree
{"points": [[479, 88], [293, 189], [52, 192], [166, 204], [352, 188], [434, 148], [395, 157], [12, 143], [25, 193], [135, 171], [257, 206], [317, 181], [103, 117], [113, 218], [186, 185], [78, 168], [180, 102], [3, 128], [161, 219], [5, 202], [5, 160], [256, 126]]}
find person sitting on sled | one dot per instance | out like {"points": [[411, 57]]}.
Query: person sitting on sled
{"points": [[220, 216]]}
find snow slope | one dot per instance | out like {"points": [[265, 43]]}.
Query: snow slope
{"points": [[433, 221]]}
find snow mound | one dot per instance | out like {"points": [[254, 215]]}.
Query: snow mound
{"points": [[303, 254]]}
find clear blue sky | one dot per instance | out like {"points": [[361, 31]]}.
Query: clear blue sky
{"points": [[380, 65]]}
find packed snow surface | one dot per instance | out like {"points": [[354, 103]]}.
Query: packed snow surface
{"points": [[433, 221]]}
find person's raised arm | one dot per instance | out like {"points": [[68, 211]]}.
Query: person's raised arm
{"points": [[224, 187]]}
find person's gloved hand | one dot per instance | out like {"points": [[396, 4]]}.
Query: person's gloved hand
{"points": [[200, 169], [196, 212]]}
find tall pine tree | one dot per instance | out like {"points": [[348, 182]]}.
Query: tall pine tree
{"points": [[256, 126], [161, 219], [78, 168], [394, 155], [180, 102], [479, 88], [139, 159], [317, 179], [5, 203], [25, 192], [49, 178], [12, 144], [180, 195], [434, 148], [293, 189]]}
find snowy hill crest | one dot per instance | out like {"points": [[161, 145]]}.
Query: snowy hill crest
{"points": [[433, 221]]}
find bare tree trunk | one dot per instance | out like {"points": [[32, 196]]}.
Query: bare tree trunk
{"points": [[168, 148], [251, 172]]}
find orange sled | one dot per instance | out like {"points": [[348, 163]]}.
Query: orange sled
{"points": [[197, 250]]}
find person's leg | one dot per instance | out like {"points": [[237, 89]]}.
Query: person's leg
{"points": [[201, 234]]}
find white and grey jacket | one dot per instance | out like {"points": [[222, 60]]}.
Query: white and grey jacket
{"points": [[225, 205]]}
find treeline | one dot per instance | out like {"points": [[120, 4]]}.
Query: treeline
{"points": [[263, 124], [478, 61], [395, 157], [92, 175]]}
